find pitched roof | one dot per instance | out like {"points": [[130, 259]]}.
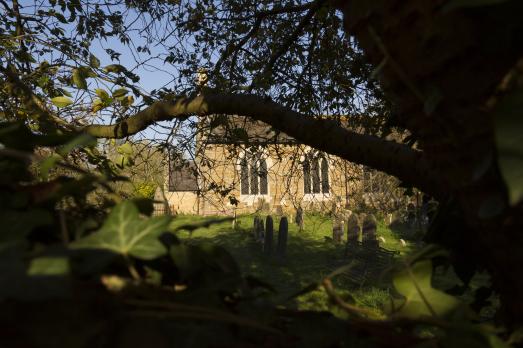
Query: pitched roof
{"points": [[239, 129], [182, 176]]}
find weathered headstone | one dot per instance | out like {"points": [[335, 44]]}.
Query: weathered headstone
{"points": [[258, 228], [269, 235], [299, 218], [261, 231], [369, 231], [337, 230], [353, 229], [283, 232]]}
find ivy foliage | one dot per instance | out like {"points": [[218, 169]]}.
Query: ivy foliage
{"points": [[131, 275], [80, 266]]}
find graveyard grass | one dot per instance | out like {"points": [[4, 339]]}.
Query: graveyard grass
{"points": [[310, 257]]}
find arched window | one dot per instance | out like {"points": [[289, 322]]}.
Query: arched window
{"points": [[325, 187], [244, 176], [306, 176], [264, 183], [253, 175], [315, 174]]}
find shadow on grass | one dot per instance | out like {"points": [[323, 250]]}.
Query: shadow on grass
{"points": [[308, 260]]}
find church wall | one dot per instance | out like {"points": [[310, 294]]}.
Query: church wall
{"points": [[285, 178]]}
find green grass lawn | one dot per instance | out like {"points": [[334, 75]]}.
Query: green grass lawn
{"points": [[309, 258]]}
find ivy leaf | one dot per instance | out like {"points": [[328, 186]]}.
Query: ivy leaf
{"points": [[49, 266], [420, 298], [43, 279], [509, 140], [126, 233], [61, 101]]}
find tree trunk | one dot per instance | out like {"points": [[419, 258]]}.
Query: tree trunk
{"points": [[440, 67]]}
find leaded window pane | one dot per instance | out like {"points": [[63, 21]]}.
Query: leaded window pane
{"points": [[254, 175], [263, 178], [244, 177], [325, 187], [315, 173], [306, 177]]}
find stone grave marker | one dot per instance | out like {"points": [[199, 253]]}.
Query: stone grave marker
{"points": [[283, 233], [299, 218], [369, 231], [269, 235], [337, 230], [260, 234], [353, 229]]}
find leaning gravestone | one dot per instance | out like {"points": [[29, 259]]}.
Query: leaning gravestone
{"points": [[283, 232], [269, 235], [353, 229], [337, 230], [299, 218], [369, 231]]}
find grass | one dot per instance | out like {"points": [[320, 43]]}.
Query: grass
{"points": [[309, 258]]}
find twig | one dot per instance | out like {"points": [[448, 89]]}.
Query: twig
{"points": [[347, 307], [179, 310]]}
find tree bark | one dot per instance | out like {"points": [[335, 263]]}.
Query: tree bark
{"points": [[408, 164], [441, 67]]}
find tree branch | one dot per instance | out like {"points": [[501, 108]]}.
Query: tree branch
{"points": [[407, 164]]}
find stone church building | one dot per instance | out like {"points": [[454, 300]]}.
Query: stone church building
{"points": [[243, 166]]}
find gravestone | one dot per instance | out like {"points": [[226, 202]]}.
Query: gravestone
{"points": [[369, 231], [353, 229], [255, 227], [269, 235], [299, 218], [283, 232], [260, 234], [337, 230]]}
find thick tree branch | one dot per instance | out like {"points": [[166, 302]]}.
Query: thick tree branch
{"points": [[407, 164]]}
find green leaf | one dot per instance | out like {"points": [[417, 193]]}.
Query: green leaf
{"points": [[126, 233], [61, 101], [98, 105], [93, 61], [79, 79], [509, 140], [420, 298], [47, 164], [102, 94], [46, 278], [80, 141], [49, 266], [125, 149], [120, 92], [116, 68]]}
